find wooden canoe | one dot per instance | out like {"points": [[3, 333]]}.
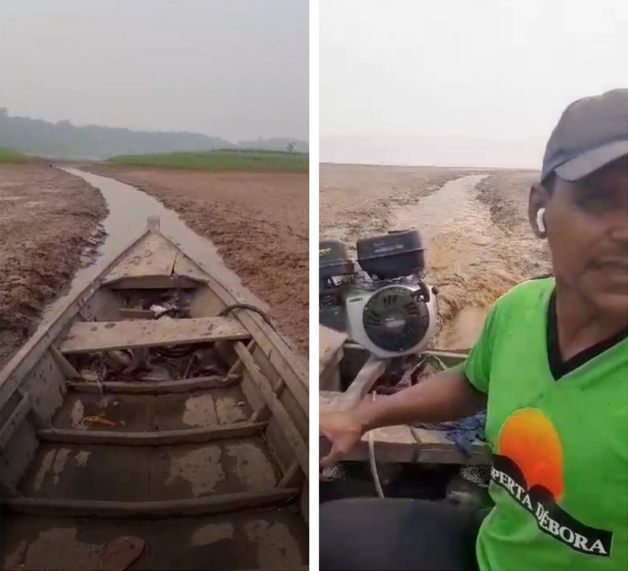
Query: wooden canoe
{"points": [[155, 424]]}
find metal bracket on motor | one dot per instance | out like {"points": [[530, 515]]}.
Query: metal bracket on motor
{"points": [[153, 223]]}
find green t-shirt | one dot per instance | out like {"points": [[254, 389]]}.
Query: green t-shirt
{"points": [[559, 479]]}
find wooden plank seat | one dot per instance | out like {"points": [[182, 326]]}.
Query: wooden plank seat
{"points": [[86, 337]]}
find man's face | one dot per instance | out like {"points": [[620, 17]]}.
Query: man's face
{"points": [[587, 232]]}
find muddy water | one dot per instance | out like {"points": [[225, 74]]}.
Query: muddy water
{"points": [[453, 204], [463, 255], [129, 209]]}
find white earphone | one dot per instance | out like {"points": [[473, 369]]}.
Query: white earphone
{"points": [[539, 219]]}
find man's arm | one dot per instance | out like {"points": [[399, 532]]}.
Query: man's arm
{"points": [[453, 394], [450, 395], [443, 397]]}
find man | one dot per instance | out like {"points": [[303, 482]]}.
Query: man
{"points": [[552, 366]]}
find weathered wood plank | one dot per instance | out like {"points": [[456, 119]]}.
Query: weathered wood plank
{"points": [[364, 380], [391, 444], [149, 510], [330, 345], [298, 385], [158, 388], [154, 256], [161, 438], [154, 282], [184, 267], [17, 417], [277, 408], [435, 447], [292, 477], [85, 337], [68, 369]]}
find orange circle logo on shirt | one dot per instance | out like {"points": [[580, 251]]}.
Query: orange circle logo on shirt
{"points": [[530, 440]]}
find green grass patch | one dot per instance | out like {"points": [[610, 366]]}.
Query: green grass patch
{"points": [[8, 155], [228, 160]]}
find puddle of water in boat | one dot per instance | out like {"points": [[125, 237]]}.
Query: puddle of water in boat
{"points": [[129, 209]]}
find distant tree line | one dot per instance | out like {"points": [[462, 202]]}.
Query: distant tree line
{"points": [[64, 140]]}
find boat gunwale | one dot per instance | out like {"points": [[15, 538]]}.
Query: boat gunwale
{"points": [[33, 350]]}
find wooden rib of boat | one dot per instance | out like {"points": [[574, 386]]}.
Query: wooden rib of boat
{"points": [[347, 375], [157, 423]]}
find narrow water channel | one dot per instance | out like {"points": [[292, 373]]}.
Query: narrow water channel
{"points": [[129, 209], [462, 247]]}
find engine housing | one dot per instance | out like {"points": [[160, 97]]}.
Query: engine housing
{"points": [[392, 320], [387, 307]]}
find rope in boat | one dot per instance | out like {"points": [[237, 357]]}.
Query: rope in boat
{"points": [[373, 463], [227, 310]]}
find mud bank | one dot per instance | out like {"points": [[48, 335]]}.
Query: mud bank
{"points": [[360, 199], [479, 243], [49, 228], [259, 222]]}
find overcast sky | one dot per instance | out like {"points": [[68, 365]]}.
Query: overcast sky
{"points": [[460, 82], [237, 69]]}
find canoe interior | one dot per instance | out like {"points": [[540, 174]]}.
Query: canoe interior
{"points": [[187, 430]]}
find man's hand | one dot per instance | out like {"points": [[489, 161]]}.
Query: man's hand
{"points": [[343, 431]]}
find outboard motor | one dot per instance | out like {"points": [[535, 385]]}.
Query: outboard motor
{"points": [[387, 308]]}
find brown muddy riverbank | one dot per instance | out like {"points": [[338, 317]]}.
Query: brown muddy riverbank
{"points": [[49, 220]]}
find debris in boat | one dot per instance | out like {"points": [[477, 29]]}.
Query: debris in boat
{"points": [[335, 472], [189, 366], [157, 374], [122, 359], [463, 433], [403, 373], [159, 310], [206, 361], [99, 419], [153, 364], [469, 487], [479, 475], [122, 552], [89, 376]]}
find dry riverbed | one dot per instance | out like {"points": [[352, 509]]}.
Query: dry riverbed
{"points": [[49, 224]]}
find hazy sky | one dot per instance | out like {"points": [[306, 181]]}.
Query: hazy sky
{"points": [[460, 82], [237, 69]]}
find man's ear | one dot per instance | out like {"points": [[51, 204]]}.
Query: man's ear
{"points": [[539, 197]]}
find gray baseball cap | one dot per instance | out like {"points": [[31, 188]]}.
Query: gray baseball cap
{"points": [[591, 132]]}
